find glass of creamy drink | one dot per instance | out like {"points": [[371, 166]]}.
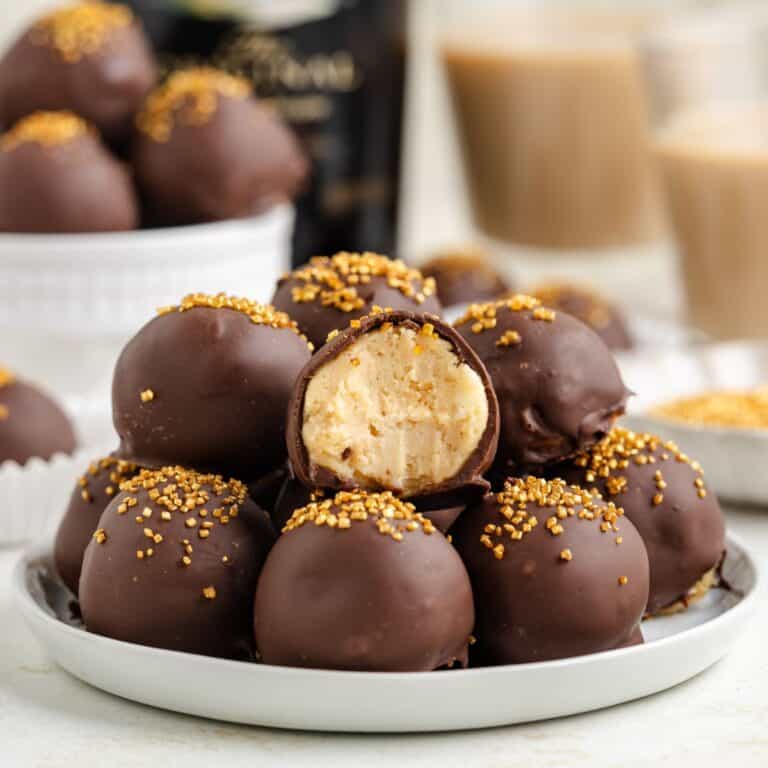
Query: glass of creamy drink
{"points": [[553, 124], [708, 83]]}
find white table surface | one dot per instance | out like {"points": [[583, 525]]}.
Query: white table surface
{"points": [[50, 720]]}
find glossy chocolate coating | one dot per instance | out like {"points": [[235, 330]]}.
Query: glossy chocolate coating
{"points": [[94, 490], [239, 163], [32, 424], [603, 317], [220, 385], [558, 387], [159, 601], [467, 484], [356, 599], [317, 319], [681, 523], [74, 187], [294, 495], [105, 87], [464, 277], [533, 605]]}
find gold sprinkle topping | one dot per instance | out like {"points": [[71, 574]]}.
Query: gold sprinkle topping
{"points": [[147, 396], [509, 339], [188, 97], [521, 497], [608, 460], [332, 281], [100, 536], [623, 580], [389, 514], [483, 317], [745, 409], [80, 29], [49, 129], [259, 314], [116, 471], [209, 593]]}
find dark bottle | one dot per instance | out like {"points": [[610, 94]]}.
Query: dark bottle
{"points": [[335, 69]]}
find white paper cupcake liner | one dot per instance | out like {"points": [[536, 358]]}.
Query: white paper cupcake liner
{"points": [[35, 495]]}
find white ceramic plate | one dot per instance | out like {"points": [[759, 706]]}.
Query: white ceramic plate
{"points": [[677, 648], [734, 460]]}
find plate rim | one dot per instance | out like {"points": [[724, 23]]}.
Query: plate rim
{"points": [[33, 611]]}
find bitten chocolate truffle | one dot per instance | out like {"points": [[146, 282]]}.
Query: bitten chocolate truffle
{"points": [[464, 276], [207, 383], [294, 495], [326, 294], [206, 150], [95, 488], [558, 386], [362, 581], [89, 57], [174, 564], [398, 401], [58, 177], [603, 317], [556, 572], [663, 492], [31, 423]]}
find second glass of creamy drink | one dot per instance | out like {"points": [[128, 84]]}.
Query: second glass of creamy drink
{"points": [[708, 76]]}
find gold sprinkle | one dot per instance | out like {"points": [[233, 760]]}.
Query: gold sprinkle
{"points": [[147, 396], [566, 554], [188, 97], [80, 29], [209, 593], [48, 129], [100, 536], [259, 314], [623, 580]]}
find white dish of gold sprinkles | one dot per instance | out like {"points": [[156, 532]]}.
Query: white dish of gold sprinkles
{"points": [[677, 648], [712, 401]]}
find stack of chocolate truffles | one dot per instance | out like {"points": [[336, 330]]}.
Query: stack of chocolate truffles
{"points": [[342, 480]]}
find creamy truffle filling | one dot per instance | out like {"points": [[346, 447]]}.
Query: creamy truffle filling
{"points": [[396, 409]]}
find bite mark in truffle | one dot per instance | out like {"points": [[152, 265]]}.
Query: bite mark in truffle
{"points": [[396, 402]]}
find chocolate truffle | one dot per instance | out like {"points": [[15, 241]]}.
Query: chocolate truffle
{"points": [[556, 572], [398, 402], [98, 485], [603, 317], [326, 294], [464, 276], [663, 492], [558, 386], [294, 495], [58, 177], [207, 383], [31, 423], [174, 564], [363, 582], [89, 57], [206, 150]]}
